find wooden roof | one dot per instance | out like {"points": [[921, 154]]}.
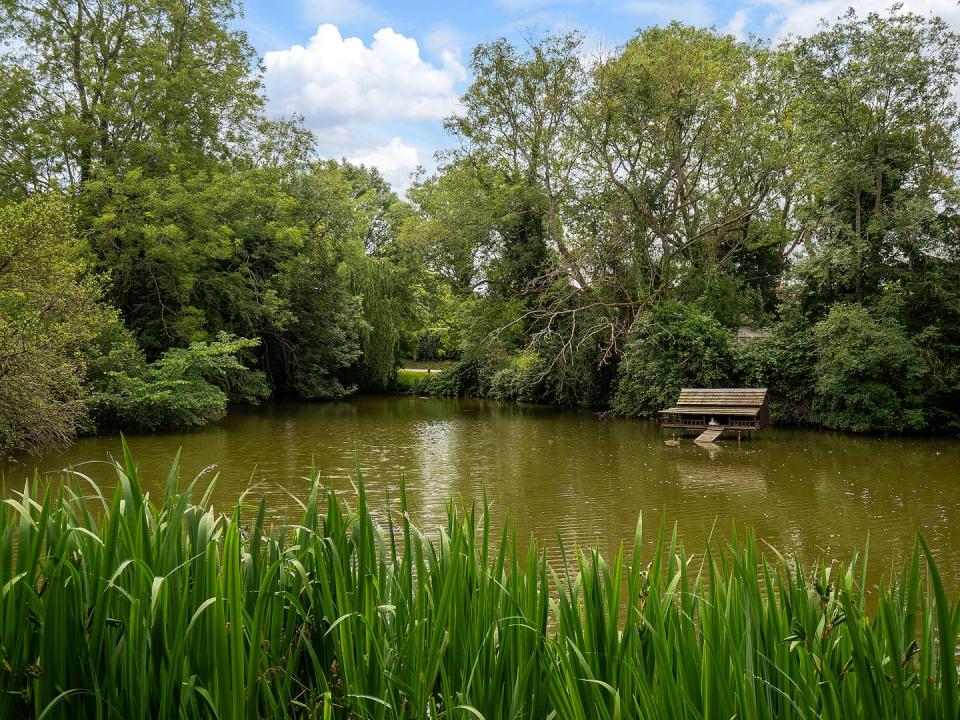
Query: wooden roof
{"points": [[711, 410], [720, 401]]}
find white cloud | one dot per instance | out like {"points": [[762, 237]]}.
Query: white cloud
{"points": [[738, 24], [802, 17], [364, 101], [396, 161], [335, 80], [443, 37]]}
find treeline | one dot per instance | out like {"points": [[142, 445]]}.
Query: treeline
{"points": [[608, 226], [165, 249], [600, 234]]}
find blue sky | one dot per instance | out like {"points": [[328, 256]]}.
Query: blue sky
{"points": [[374, 79]]}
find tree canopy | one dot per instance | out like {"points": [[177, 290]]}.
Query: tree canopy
{"points": [[596, 235]]}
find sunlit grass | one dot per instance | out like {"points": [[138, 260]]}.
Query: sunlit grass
{"points": [[162, 608], [412, 380]]}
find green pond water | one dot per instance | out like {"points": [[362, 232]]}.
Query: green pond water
{"points": [[818, 494]]}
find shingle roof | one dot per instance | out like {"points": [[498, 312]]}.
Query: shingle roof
{"points": [[711, 410], [722, 397]]}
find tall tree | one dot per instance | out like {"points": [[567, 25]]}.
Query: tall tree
{"points": [[137, 83], [50, 315], [879, 110], [519, 112]]}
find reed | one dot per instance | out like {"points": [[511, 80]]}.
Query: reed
{"points": [[164, 609]]}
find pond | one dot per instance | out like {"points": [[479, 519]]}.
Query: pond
{"points": [[553, 471]]}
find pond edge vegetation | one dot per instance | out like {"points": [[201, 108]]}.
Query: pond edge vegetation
{"points": [[689, 209], [131, 607]]}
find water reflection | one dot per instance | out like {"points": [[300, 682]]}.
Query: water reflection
{"points": [[820, 494]]}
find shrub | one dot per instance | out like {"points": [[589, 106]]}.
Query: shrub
{"points": [[464, 378], [522, 379], [186, 387], [782, 361], [869, 376], [675, 345]]}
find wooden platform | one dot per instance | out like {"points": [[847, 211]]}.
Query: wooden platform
{"points": [[710, 434]]}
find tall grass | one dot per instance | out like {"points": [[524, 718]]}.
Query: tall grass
{"points": [[166, 609]]}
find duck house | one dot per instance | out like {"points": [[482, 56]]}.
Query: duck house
{"points": [[718, 409]]}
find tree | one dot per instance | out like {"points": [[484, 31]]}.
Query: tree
{"points": [[686, 139], [671, 347], [27, 138], [879, 110], [453, 224], [869, 375], [316, 338], [520, 110], [50, 314], [137, 84]]}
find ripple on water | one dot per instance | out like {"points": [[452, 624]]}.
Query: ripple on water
{"points": [[820, 494]]}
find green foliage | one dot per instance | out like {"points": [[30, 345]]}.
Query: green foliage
{"points": [[190, 254], [879, 114], [522, 379], [184, 388], [466, 377], [50, 314], [868, 374], [431, 344], [137, 607], [455, 223], [412, 380], [782, 360], [673, 346], [725, 297], [385, 301], [202, 216], [135, 86], [931, 314], [760, 185]]}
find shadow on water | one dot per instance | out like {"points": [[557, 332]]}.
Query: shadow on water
{"points": [[552, 471]]}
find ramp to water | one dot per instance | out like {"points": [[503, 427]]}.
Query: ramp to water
{"points": [[709, 435]]}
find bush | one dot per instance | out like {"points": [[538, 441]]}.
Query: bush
{"points": [[869, 376], [522, 379], [783, 362], [412, 380], [459, 380], [675, 345], [186, 387]]}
